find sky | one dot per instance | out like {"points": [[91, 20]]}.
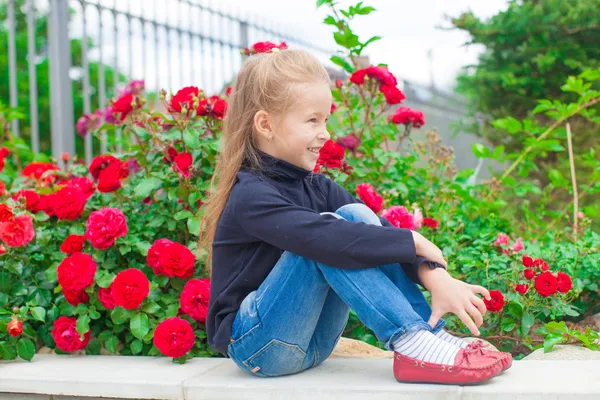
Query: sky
{"points": [[410, 29]]}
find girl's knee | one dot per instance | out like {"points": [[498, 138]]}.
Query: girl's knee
{"points": [[358, 212]]}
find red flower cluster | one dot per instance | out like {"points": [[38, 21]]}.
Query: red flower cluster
{"points": [[105, 297], [36, 170], [108, 171], [366, 192], [385, 78], [4, 152], [194, 299], [408, 116], [72, 244], [399, 217], [431, 223], [350, 142], [65, 335], [18, 231], [263, 47], [130, 288], [190, 98], [6, 213], [105, 226], [174, 337], [171, 259], [502, 241], [182, 162], [124, 105], [330, 156], [546, 283], [76, 272], [496, 302]]}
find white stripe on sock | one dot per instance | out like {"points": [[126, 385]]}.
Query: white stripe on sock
{"points": [[451, 339], [425, 346]]}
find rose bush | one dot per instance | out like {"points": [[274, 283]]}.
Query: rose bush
{"points": [[104, 256]]}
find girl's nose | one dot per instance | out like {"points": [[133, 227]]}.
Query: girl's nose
{"points": [[324, 135]]}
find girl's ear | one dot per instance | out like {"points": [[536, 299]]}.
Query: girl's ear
{"points": [[262, 125]]}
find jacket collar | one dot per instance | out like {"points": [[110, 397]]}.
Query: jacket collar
{"points": [[277, 168]]}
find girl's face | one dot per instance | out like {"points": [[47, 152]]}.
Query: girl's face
{"points": [[299, 133]]}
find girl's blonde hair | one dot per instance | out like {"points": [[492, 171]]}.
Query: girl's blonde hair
{"points": [[266, 82]]}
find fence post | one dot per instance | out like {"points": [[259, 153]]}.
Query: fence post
{"points": [[61, 97], [244, 41]]}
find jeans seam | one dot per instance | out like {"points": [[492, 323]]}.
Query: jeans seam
{"points": [[231, 341]]}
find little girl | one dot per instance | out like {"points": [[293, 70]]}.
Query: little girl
{"points": [[292, 251]]}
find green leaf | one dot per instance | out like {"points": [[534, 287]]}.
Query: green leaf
{"points": [[111, 344], [193, 225], [507, 324], [557, 327], [191, 138], [7, 351], [526, 323], [151, 307], [39, 313], [183, 214], [321, 2], [480, 151], [136, 346], [342, 63], [172, 310], [509, 124], [120, 315], [371, 40], [83, 324], [551, 340], [26, 349], [146, 186], [139, 325], [330, 21], [104, 279], [515, 309]]}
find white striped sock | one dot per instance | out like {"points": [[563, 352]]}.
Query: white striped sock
{"points": [[425, 346], [451, 339]]}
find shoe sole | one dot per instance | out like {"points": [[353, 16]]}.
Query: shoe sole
{"points": [[451, 384]]}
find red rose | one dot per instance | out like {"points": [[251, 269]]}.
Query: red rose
{"points": [[522, 288], [543, 265], [185, 97], [501, 239], [264, 47], [18, 232], [171, 154], [393, 95], [182, 163], [4, 152], [407, 116], [2, 187], [399, 217], [174, 337], [130, 288], [358, 76], [431, 223], [76, 272], [35, 170], [350, 142], [101, 162], [124, 105], [75, 297], [33, 201], [496, 303], [109, 178], [564, 282], [529, 273], [67, 203], [72, 244], [330, 156], [527, 261], [105, 297], [86, 185], [194, 299], [6, 213], [546, 284], [228, 91], [14, 327], [366, 192], [214, 106], [66, 337], [382, 75], [154, 254], [176, 260], [105, 226]]}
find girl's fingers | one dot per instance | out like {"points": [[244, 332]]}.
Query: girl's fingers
{"points": [[481, 290], [477, 302], [471, 309], [464, 317]]}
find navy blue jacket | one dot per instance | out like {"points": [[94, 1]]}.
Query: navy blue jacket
{"points": [[278, 209]]}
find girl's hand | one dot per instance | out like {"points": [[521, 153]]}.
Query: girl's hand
{"points": [[428, 250], [455, 296]]}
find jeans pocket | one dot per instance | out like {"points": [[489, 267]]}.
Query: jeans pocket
{"points": [[276, 358]]}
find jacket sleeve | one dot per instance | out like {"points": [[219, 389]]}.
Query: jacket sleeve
{"points": [[268, 216], [337, 197]]}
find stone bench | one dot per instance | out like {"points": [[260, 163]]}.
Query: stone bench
{"points": [[63, 377]]}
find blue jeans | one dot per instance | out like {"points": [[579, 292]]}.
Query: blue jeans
{"points": [[295, 318]]}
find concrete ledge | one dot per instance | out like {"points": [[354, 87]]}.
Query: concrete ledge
{"points": [[65, 377]]}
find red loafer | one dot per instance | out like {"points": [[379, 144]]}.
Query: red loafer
{"points": [[468, 368], [504, 358]]}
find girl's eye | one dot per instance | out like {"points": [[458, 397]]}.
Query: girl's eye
{"points": [[312, 120]]}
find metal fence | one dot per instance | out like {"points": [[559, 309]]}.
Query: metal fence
{"points": [[92, 48], [168, 44]]}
